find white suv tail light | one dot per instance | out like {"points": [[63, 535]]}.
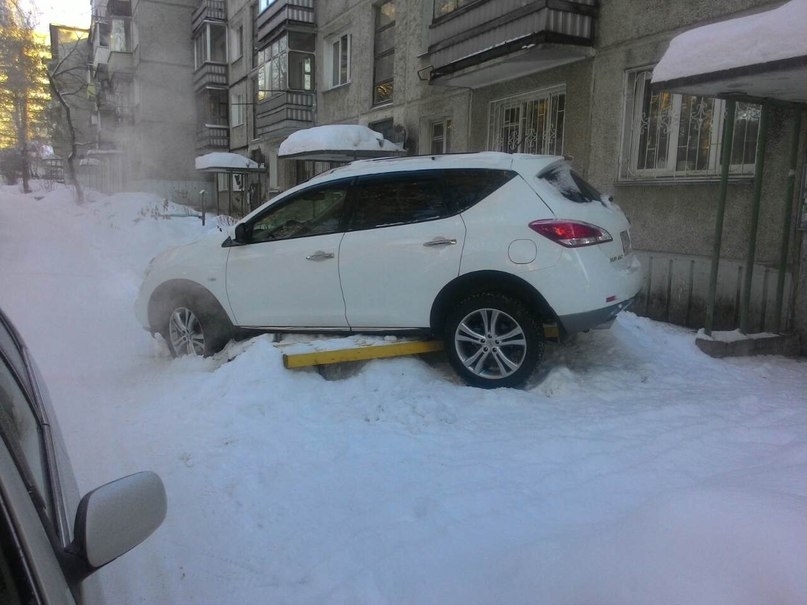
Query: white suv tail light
{"points": [[572, 234]]}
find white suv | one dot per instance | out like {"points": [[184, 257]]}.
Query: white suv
{"points": [[491, 252]]}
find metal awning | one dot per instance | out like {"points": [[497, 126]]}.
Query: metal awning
{"points": [[337, 143], [760, 58], [763, 55], [220, 161]]}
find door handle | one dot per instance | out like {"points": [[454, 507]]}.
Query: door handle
{"points": [[319, 255], [440, 241]]}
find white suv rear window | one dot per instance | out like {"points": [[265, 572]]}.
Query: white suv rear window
{"points": [[570, 184]]}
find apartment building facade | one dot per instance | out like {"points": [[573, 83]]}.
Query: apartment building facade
{"points": [[142, 72], [567, 77]]}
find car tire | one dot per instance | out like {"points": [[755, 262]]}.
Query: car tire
{"points": [[194, 326], [493, 340]]}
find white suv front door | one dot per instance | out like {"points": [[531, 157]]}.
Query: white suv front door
{"points": [[286, 272]]}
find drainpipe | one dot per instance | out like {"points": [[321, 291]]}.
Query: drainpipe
{"points": [[728, 141], [790, 189], [759, 164]]}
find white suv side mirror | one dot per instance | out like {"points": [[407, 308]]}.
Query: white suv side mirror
{"points": [[116, 517]]}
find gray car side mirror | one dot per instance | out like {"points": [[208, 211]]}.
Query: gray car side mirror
{"points": [[116, 517]]}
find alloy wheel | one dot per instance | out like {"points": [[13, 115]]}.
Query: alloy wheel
{"points": [[185, 332], [490, 343]]}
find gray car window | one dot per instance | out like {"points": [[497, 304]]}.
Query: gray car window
{"points": [[23, 435]]}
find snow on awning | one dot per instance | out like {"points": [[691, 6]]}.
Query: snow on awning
{"points": [[220, 161], [337, 143], [762, 55]]}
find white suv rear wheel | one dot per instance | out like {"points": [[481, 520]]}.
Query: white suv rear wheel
{"points": [[493, 341]]}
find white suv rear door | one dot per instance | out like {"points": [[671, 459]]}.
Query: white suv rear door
{"points": [[403, 244]]}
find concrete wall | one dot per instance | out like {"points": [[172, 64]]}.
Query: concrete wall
{"points": [[676, 220], [239, 13], [162, 145]]}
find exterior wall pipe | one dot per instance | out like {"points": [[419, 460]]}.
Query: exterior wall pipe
{"points": [[759, 165], [726, 144], [790, 190]]}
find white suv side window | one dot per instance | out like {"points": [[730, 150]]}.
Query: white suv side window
{"points": [[312, 212], [398, 200]]}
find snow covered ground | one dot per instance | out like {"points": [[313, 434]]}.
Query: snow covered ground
{"points": [[632, 470]]}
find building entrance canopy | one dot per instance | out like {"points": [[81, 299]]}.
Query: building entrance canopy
{"points": [[763, 55], [337, 143], [760, 58], [220, 161]]}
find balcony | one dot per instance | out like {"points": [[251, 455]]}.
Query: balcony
{"points": [[284, 113], [490, 42], [209, 10], [278, 16], [210, 137], [100, 56], [210, 75], [120, 63]]}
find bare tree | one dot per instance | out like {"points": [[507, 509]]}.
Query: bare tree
{"points": [[68, 85]]}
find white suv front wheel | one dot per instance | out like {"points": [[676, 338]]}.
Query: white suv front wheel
{"points": [[194, 326], [493, 341]]}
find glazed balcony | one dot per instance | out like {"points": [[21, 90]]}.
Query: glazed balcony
{"points": [[280, 14], [209, 10], [284, 113], [210, 75], [212, 137], [485, 42]]}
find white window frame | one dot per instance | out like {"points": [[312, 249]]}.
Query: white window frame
{"points": [[264, 4], [237, 110], [334, 62], [704, 112], [237, 43], [444, 140], [523, 135]]}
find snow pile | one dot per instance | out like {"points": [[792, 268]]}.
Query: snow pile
{"points": [[772, 35], [225, 161], [633, 469], [336, 137]]}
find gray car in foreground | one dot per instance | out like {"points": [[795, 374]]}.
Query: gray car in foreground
{"points": [[52, 541]]}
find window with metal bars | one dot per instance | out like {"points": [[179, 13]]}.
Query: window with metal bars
{"points": [[670, 135], [384, 53], [528, 123]]}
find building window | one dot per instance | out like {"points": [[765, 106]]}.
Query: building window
{"points": [[679, 136], [441, 137], [286, 64], [446, 7], [222, 181], [264, 4], [210, 45], [528, 123], [120, 38], [340, 61], [384, 53], [237, 46], [236, 110]]}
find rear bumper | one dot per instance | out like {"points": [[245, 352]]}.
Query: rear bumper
{"points": [[580, 322]]}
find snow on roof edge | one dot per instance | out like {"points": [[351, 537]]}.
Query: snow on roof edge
{"points": [[336, 137], [773, 35]]}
